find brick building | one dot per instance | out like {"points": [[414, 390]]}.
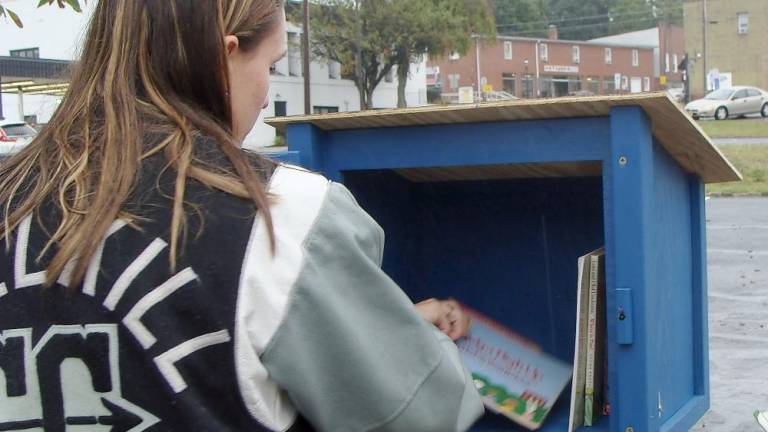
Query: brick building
{"points": [[737, 37], [668, 43], [529, 67]]}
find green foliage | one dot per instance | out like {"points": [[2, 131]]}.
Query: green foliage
{"points": [[631, 15], [74, 4], [752, 162], [371, 37], [5, 12], [524, 17], [583, 19], [580, 20]]}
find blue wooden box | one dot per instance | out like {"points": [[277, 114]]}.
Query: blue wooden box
{"points": [[492, 204]]}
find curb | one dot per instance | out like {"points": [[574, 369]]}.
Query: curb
{"points": [[737, 195]]}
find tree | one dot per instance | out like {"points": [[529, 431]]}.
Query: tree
{"points": [[521, 17], [579, 20], [631, 15], [436, 27], [74, 4], [371, 37], [669, 11]]}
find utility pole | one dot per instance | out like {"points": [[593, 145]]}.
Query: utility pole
{"points": [[704, 20], [305, 58]]}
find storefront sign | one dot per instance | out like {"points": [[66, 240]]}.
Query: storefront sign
{"points": [[561, 69]]}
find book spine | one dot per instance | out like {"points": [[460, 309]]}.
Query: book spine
{"points": [[589, 385]]}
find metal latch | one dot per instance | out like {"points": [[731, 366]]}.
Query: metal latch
{"points": [[624, 317]]}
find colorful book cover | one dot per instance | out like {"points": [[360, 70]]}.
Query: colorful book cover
{"points": [[513, 376]]}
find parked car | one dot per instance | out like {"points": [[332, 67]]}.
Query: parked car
{"points": [[14, 136], [676, 93], [732, 102]]}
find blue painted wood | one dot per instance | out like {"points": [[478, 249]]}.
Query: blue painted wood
{"points": [[465, 144], [687, 416], [501, 247], [307, 140], [509, 247], [670, 287], [625, 327], [628, 174], [289, 157], [700, 300]]}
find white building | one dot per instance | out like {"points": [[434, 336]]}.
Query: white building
{"points": [[328, 91]]}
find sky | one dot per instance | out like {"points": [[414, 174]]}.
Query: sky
{"points": [[57, 32]]}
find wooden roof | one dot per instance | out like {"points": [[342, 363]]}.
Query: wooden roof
{"points": [[680, 135]]}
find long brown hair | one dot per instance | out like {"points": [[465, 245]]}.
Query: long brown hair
{"points": [[146, 65]]}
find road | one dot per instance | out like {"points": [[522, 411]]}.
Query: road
{"points": [[750, 140], [737, 236]]}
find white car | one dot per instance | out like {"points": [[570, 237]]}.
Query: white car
{"points": [[14, 136], [733, 102]]}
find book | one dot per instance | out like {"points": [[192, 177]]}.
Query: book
{"points": [[576, 417], [514, 377], [593, 406]]}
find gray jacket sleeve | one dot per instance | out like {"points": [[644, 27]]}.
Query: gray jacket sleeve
{"points": [[351, 352]]}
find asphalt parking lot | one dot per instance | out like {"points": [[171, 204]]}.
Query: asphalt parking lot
{"points": [[737, 236]]}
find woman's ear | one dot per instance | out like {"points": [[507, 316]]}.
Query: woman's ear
{"points": [[231, 43]]}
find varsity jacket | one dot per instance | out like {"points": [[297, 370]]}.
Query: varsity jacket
{"points": [[311, 337]]}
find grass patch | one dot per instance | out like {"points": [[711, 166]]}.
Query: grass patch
{"points": [[741, 128], [752, 163]]}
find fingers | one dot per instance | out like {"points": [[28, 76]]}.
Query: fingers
{"points": [[458, 319], [430, 310], [446, 315]]}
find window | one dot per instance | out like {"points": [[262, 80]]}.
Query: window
{"points": [[635, 58], [646, 84], [624, 83], [576, 54], [743, 20], [608, 56], [741, 94], [454, 55], [528, 86], [281, 108], [507, 50], [609, 85], [453, 81], [546, 85], [317, 109], [26, 53], [508, 81], [543, 52], [334, 69], [675, 63], [666, 63], [753, 93], [593, 85], [574, 84]]}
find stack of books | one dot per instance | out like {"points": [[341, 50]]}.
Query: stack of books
{"points": [[590, 384]]}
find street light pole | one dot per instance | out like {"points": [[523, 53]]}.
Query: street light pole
{"points": [[305, 58]]}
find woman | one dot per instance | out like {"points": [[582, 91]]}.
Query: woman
{"points": [[141, 288]]}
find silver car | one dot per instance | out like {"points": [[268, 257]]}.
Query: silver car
{"points": [[14, 136], [733, 102]]}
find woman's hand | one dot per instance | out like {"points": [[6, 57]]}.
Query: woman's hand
{"points": [[445, 315]]}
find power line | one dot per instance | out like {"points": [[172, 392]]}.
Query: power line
{"points": [[582, 18], [581, 26]]}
